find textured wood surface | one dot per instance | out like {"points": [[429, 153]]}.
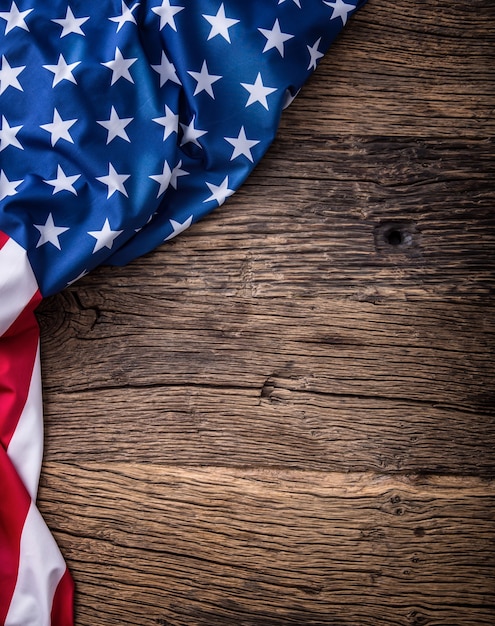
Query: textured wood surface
{"points": [[272, 546], [286, 415]]}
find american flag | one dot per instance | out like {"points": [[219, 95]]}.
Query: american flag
{"points": [[121, 124]]}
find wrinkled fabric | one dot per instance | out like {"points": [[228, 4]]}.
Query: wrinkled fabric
{"points": [[192, 88]]}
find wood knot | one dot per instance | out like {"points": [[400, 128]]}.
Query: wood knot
{"points": [[399, 236], [416, 619]]}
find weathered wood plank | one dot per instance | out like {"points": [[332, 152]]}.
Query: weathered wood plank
{"points": [[406, 68], [315, 216], [308, 383], [303, 324], [250, 547]]}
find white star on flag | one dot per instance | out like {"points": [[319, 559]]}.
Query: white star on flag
{"points": [[120, 67], [177, 172], [204, 80], [8, 76], [59, 128], [315, 54], [258, 92], [220, 24], [219, 193], [242, 145], [170, 122], [340, 9], [49, 233], [166, 12], [15, 18], [116, 126], [62, 71], [297, 2], [71, 24], [8, 135], [104, 237], [8, 187], [275, 38], [191, 134], [179, 227], [167, 71], [125, 16], [63, 182], [163, 179], [114, 181]]}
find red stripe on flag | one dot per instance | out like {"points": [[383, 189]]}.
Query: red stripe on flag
{"points": [[3, 239], [18, 351], [18, 347], [62, 607], [14, 507]]}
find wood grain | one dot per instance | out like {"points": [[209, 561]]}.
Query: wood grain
{"points": [[311, 384], [421, 68], [313, 219], [221, 546], [287, 414]]}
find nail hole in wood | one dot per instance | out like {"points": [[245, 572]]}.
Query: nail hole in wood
{"points": [[394, 237]]}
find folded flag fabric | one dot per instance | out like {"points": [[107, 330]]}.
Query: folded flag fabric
{"points": [[121, 124]]}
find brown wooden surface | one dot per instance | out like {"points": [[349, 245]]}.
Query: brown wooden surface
{"points": [[281, 417]]}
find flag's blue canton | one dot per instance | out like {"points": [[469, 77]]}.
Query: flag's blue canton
{"points": [[123, 123]]}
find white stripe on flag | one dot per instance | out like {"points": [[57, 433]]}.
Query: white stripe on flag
{"points": [[17, 283], [39, 565], [40, 569], [26, 446]]}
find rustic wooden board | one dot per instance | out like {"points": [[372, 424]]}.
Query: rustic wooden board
{"points": [[420, 68], [314, 218], [307, 383], [287, 414], [220, 546]]}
